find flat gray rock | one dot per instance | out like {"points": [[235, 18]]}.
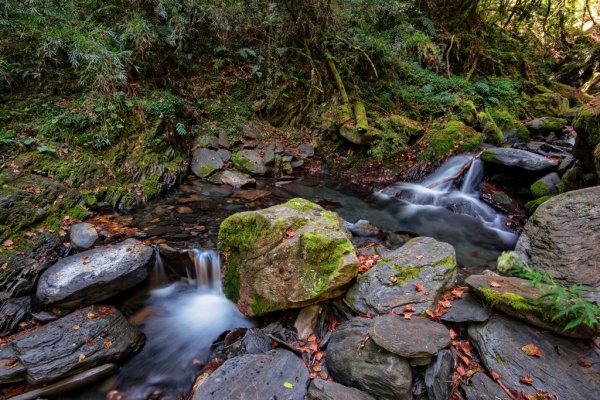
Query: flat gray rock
{"points": [[12, 312], [236, 179], [482, 387], [320, 389], [467, 309], [510, 157], [205, 162], [557, 371], [390, 284], [357, 362], [94, 275], [417, 337], [83, 236], [251, 162], [278, 374], [79, 341], [439, 376], [562, 238]]}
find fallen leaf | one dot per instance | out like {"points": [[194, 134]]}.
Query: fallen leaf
{"points": [[458, 292], [288, 385], [85, 260], [531, 350], [527, 380], [409, 308], [585, 364], [453, 334], [495, 375], [393, 279], [4, 265], [81, 358], [91, 315], [419, 257], [539, 395], [90, 342], [407, 316], [289, 232], [445, 303], [495, 284], [419, 287], [107, 345], [76, 327], [8, 244]]}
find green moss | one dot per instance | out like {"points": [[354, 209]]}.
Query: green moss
{"points": [[549, 104], [532, 205], [77, 212], [242, 163], [511, 300], [509, 261], [259, 305], [300, 204], [500, 359], [246, 232], [409, 126], [488, 155], [539, 189], [231, 284], [522, 132], [467, 112], [405, 273], [491, 131], [446, 262], [441, 142], [569, 181], [501, 198], [205, 170], [504, 119]]}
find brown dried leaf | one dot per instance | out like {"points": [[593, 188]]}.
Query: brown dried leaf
{"points": [[527, 380], [495, 284], [531, 350], [419, 287]]}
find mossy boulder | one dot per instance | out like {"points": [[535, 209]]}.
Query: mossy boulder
{"points": [[549, 104], [546, 124], [587, 125], [286, 256], [532, 205], [406, 125], [490, 130], [454, 136], [467, 112], [252, 162], [205, 162], [546, 185], [519, 298]]}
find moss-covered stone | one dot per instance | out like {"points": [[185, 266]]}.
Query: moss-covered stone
{"points": [[405, 273], [549, 104], [532, 205], [587, 125], [285, 256], [467, 112], [491, 132], [406, 125], [509, 261], [539, 189], [454, 136]]}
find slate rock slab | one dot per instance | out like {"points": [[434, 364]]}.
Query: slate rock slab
{"points": [[79, 341], [517, 158], [467, 309], [83, 236], [499, 344], [562, 237], [12, 312], [236, 179], [205, 162], [411, 338], [421, 260], [320, 389], [94, 275], [482, 387], [370, 368], [438, 376], [257, 376]]}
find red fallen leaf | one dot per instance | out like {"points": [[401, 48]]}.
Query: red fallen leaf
{"points": [[324, 376], [28, 235], [364, 341], [527, 380], [495, 284], [90, 342], [445, 303], [393, 279], [539, 395], [419, 287], [585, 364], [409, 308], [407, 316], [531, 350], [460, 370], [458, 292], [289, 232], [367, 315], [76, 327], [495, 375], [91, 315], [319, 355], [419, 257], [453, 334], [107, 345]]}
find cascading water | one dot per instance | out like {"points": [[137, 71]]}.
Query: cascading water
{"points": [[183, 322]]}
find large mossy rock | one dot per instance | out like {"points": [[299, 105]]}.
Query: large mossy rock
{"points": [[440, 142], [285, 256], [549, 104], [390, 285], [94, 275], [562, 237], [567, 368], [587, 125], [490, 130]]}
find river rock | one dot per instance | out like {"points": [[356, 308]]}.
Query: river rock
{"points": [[94, 275], [546, 185], [562, 238], [370, 368], [306, 150], [252, 194], [236, 179], [251, 162], [439, 376], [286, 256], [549, 104], [482, 387], [79, 341], [519, 298], [558, 370], [307, 320], [587, 125], [205, 162], [421, 260], [417, 337], [278, 374], [12, 313], [467, 309], [83, 236], [242, 341], [546, 124], [526, 160], [320, 389]]}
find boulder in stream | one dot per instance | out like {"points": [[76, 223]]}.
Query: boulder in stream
{"points": [[562, 238], [205, 162], [516, 158], [546, 124], [355, 361], [253, 162], [94, 275], [79, 341], [391, 284], [278, 374], [566, 368], [83, 236], [286, 256]]}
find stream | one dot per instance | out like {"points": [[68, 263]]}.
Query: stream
{"points": [[182, 310]]}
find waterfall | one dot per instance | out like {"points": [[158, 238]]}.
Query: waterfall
{"points": [[159, 273], [207, 266]]}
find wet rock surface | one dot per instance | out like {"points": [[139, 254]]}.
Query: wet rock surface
{"points": [[278, 374], [482, 387], [417, 337], [562, 237], [467, 309], [206, 161], [510, 157], [83, 236], [559, 372], [94, 275], [320, 389], [367, 367], [438, 376], [12, 313], [423, 261], [81, 340]]}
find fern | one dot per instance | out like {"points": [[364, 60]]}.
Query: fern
{"points": [[180, 129]]}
